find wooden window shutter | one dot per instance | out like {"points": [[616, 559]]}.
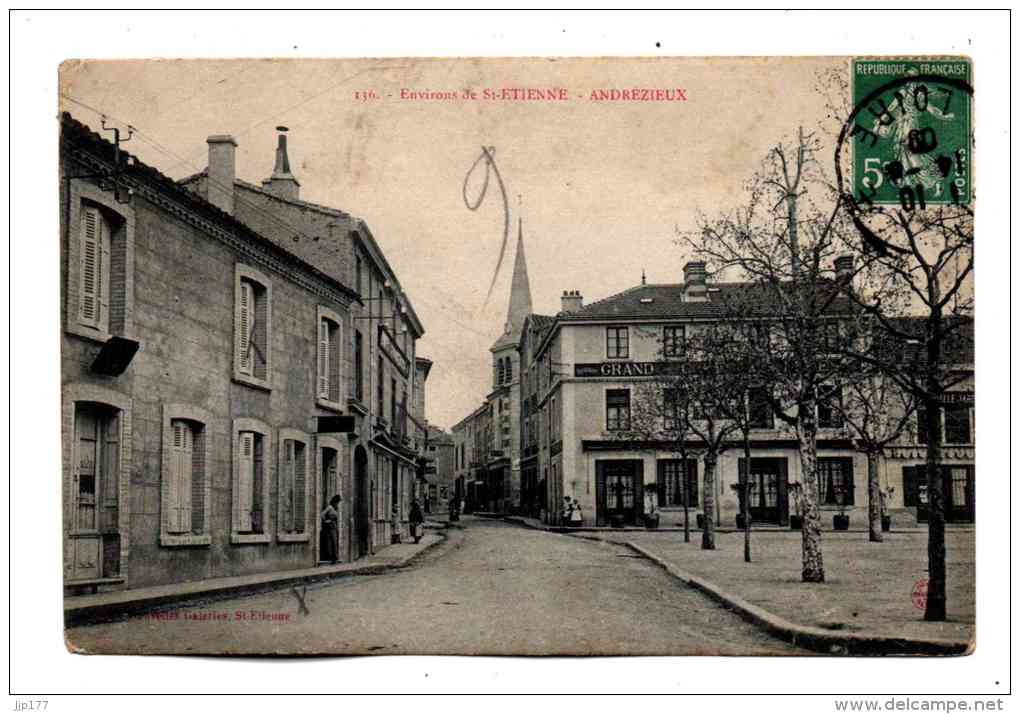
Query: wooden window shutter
{"points": [[324, 362], [258, 475], [260, 332], [198, 477], [245, 480], [287, 486], [103, 292], [109, 521], [334, 362], [90, 266], [244, 316], [180, 478], [300, 495]]}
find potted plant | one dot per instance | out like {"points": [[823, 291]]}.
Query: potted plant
{"points": [[885, 495], [796, 492], [840, 520]]}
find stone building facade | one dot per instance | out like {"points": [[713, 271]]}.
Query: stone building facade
{"points": [[582, 371], [209, 369]]}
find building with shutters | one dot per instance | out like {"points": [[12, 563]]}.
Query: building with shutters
{"points": [[231, 357], [580, 374]]}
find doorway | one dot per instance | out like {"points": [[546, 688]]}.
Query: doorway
{"points": [[618, 485], [362, 503], [767, 490], [329, 487], [94, 492]]}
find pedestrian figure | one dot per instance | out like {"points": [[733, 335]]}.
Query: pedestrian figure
{"points": [[576, 517], [329, 538], [416, 518], [565, 512]]}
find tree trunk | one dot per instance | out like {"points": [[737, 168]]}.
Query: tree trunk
{"points": [[874, 500], [935, 609], [708, 534], [812, 567], [745, 480], [683, 476]]}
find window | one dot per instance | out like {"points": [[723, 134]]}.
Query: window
{"points": [[673, 339], [957, 421], [760, 409], [618, 409], [293, 486], [100, 253], [829, 415], [672, 487], [954, 424], [509, 370], [617, 343], [672, 409], [359, 366], [94, 271], [252, 327], [835, 481], [328, 369], [252, 445], [185, 484]]}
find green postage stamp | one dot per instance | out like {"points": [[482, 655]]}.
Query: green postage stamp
{"points": [[912, 131]]}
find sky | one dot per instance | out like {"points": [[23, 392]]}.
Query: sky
{"points": [[601, 187]]}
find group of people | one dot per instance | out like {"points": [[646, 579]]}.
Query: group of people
{"points": [[570, 513], [329, 533]]}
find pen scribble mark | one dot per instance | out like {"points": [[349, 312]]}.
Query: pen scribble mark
{"points": [[300, 596], [490, 164]]}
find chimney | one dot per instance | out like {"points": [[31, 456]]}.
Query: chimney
{"points": [[844, 266], [282, 183], [220, 190], [571, 301], [695, 287]]}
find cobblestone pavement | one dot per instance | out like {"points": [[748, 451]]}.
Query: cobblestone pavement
{"points": [[501, 589]]}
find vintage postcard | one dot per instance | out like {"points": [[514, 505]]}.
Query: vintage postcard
{"points": [[615, 356]]}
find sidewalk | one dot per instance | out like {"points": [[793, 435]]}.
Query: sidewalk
{"points": [[84, 609], [866, 605], [667, 525]]}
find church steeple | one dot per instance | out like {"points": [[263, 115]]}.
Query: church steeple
{"points": [[520, 295], [520, 288]]}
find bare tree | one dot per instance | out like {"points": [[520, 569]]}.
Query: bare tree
{"points": [[930, 252], [877, 411], [784, 241]]}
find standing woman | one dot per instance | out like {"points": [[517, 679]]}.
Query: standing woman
{"points": [[329, 540], [416, 518]]}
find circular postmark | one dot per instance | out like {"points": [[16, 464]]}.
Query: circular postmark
{"points": [[919, 595], [909, 139]]}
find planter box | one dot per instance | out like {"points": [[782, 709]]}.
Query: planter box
{"points": [[840, 523], [796, 523], [651, 521], [886, 523]]}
